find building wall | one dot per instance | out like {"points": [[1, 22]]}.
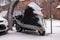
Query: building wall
{"points": [[58, 11]]}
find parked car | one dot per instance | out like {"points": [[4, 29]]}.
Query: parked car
{"points": [[3, 25], [32, 19]]}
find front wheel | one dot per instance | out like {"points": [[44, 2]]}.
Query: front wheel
{"points": [[41, 32]]}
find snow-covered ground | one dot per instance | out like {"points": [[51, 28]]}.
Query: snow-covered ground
{"points": [[13, 35]]}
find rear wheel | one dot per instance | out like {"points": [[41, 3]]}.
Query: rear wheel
{"points": [[18, 28]]}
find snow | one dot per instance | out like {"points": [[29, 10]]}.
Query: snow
{"points": [[37, 9], [4, 2], [3, 13], [15, 13], [55, 25], [13, 35], [58, 6], [34, 6]]}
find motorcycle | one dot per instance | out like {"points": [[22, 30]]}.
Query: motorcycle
{"points": [[32, 19]]}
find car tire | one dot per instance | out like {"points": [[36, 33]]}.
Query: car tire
{"points": [[3, 33]]}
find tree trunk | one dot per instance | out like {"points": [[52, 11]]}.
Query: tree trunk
{"points": [[10, 13]]}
